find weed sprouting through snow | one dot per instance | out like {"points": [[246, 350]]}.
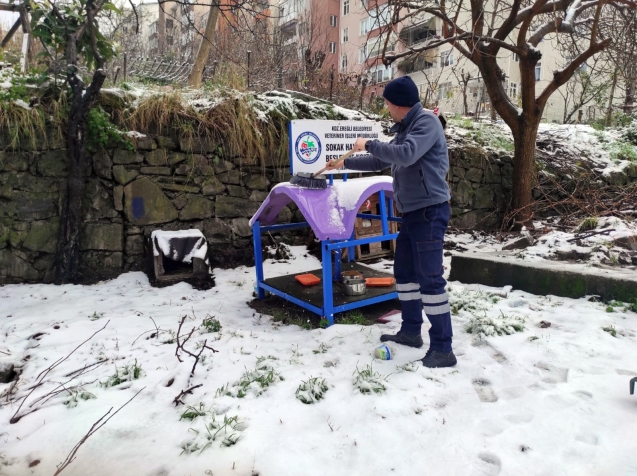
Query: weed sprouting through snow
{"points": [[322, 348], [228, 431], [192, 412], [312, 390], [368, 381], [254, 381], [611, 330], [96, 315], [76, 395], [124, 374], [210, 324]]}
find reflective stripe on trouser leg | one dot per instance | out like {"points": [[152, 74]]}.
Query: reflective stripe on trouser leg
{"points": [[408, 291], [436, 303]]}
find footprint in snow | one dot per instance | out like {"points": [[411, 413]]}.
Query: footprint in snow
{"points": [[520, 418], [490, 350], [484, 391], [551, 374], [488, 464], [626, 372], [583, 394], [588, 439]]}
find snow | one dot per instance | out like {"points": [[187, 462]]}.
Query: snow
{"points": [[21, 103], [336, 213], [135, 134], [539, 401], [599, 247], [162, 239], [348, 193]]}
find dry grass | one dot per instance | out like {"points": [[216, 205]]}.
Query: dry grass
{"points": [[232, 125], [33, 128]]}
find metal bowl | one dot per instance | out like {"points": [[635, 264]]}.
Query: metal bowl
{"points": [[355, 287]]}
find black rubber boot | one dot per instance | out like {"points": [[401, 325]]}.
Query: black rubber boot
{"points": [[401, 337], [434, 359]]}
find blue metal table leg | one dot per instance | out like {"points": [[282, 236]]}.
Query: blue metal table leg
{"points": [[337, 265], [383, 212], [328, 298], [351, 251], [258, 258]]}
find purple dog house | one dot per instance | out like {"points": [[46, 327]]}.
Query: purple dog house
{"points": [[331, 213]]}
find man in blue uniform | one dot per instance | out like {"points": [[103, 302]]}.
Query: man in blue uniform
{"points": [[419, 163]]}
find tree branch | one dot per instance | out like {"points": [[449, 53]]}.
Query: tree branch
{"points": [[561, 77], [96, 426]]}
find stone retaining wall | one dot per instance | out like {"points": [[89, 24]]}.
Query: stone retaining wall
{"points": [[170, 184]]}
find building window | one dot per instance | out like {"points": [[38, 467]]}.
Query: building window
{"points": [[446, 58], [513, 90], [378, 18], [344, 62], [345, 7], [444, 91], [332, 20], [345, 34], [169, 24], [332, 47], [302, 28], [362, 54], [380, 73], [365, 26], [538, 72], [516, 57]]}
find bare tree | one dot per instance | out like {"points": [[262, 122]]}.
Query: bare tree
{"points": [[480, 30], [74, 28]]}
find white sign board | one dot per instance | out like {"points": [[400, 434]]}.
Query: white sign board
{"points": [[314, 143]]}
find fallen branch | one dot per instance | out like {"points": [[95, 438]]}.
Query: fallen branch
{"points": [[583, 236], [40, 378], [96, 426], [83, 369], [177, 401]]}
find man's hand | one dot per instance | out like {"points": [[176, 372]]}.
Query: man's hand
{"points": [[359, 145], [331, 165]]}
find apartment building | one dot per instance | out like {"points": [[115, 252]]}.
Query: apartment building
{"points": [[138, 41], [310, 27], [443, 75]]}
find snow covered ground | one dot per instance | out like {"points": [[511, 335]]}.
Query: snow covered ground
{"points": [[600, 249], [542, 401]]}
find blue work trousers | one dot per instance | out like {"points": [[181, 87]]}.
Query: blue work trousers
{"points": [[418, 270]]}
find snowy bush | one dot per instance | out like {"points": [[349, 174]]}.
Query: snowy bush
{"points": [[503, 324], [369, 381], [312, 390], [460, 299]]}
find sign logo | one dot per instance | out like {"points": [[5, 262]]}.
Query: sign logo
{"points": [[308, 147]]}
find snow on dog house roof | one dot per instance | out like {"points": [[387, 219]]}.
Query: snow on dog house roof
{"points": [[331, 212]]}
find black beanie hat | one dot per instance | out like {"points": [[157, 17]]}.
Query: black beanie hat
{"points": [[402, 92]]}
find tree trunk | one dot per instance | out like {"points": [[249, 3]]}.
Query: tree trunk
{"points": [[465, 104], [523, 161], [67, 257], [609, 111], [194, 80]]}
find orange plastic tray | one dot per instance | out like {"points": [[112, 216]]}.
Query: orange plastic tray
{"points": [[379, 282], [307, 279]]}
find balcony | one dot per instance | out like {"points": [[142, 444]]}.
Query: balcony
{"points": [[416, 35]]}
